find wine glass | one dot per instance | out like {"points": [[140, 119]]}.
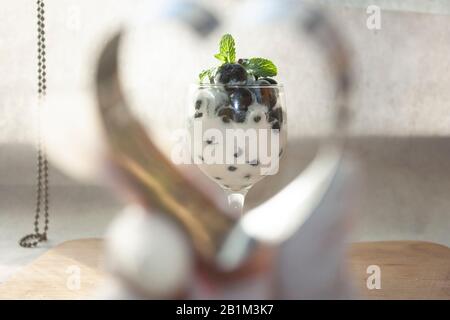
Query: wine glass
{"points": [[237, 134]]}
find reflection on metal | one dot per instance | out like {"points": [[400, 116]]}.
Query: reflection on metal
{"points": [[280, 217], [151, 177], [157, 184], [277, 219]]}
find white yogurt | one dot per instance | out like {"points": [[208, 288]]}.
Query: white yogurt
{"points": [[239, 167]]}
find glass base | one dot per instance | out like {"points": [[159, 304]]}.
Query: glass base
{"points": [[236, 201]]}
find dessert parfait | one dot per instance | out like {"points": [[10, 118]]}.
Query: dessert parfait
{"points": [[237, 120]]}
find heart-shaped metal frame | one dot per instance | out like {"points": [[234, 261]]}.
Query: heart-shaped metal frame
{"points": [[217, 238]]}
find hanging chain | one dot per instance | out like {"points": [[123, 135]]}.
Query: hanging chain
{"points": [[42, 194]]}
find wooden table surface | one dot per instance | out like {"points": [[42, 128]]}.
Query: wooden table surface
{"points": [[409, 270]]}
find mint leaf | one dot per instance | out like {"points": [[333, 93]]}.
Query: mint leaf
{"points": [[227, 49], [209, 73], [260, 67], [221, 57]]}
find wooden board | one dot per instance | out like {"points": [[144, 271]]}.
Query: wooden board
{"points": [[53, 275], [409, 270]]}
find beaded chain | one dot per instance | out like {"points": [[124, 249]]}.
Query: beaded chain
{"points": [[42, 194]]}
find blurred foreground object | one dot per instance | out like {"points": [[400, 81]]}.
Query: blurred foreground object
{"points": [[311, 264], [229, 254], [233, 254], [149, 253]]}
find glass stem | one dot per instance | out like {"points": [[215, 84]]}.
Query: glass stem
{"points": [[236, 202]]}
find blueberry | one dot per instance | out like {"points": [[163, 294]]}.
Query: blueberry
{"points": [[276, 125], [240, 116], [198, 115], [218, 178], [242, 61], [275, 115], [241, 99], [204, 99], [262, 82], [257, 119], [227, 114], [238, 153], [266, 96], [232, 168], [198, 104], [220, 98], [270, 80], [231, 73], [201, 103]]}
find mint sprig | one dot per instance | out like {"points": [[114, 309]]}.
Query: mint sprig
{"points": [[260, 67], [227, 48]]}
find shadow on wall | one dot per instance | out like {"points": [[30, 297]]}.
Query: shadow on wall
{"points": [[405, 197], [407, 181]]}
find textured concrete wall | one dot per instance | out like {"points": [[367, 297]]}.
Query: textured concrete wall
{"points": [[402, 69]]}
